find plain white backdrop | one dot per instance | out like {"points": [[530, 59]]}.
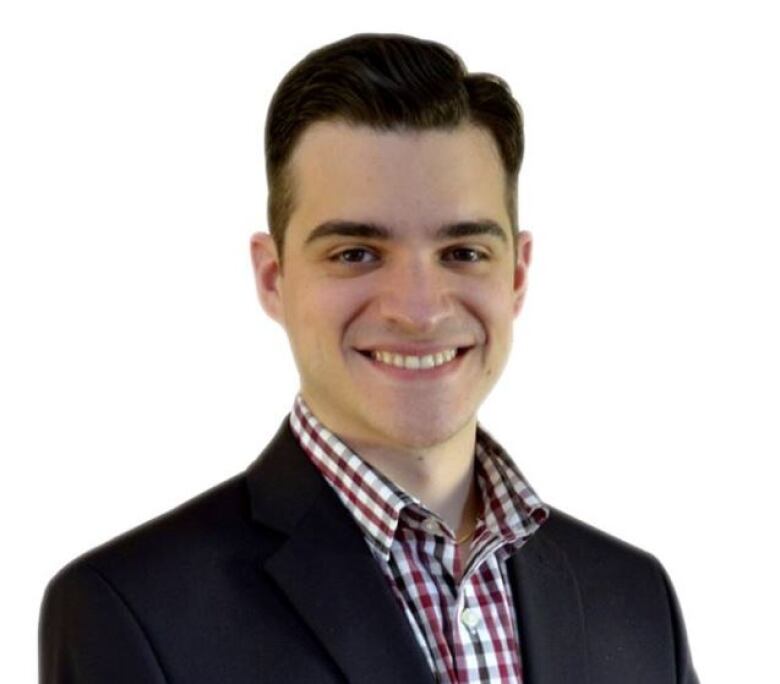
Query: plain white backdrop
{"points": [[138, 370]]}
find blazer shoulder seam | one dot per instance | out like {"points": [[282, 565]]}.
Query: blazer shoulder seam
{"points": [[675, 617], [580, 603], [128, 608]]}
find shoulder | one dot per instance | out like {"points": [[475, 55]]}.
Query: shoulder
{"points": [[617, 582], [604, 566], [215, 537], [185, 542], [111, 598], [624, 595], [582, 541]]}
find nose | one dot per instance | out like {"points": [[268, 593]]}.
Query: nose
{"points": [[415, 296]]}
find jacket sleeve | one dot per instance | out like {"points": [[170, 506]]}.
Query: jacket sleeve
{"points": [[683, 661], [87, 634]]}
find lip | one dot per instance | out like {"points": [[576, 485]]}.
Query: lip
{"points": [[407, 374]]}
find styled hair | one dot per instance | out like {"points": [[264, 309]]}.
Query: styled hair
{"points": [[387, 82]]}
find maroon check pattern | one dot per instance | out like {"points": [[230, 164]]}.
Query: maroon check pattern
{"points": [[467, 628]]}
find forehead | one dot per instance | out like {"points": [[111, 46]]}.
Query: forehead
{"points": [[398, 177]]}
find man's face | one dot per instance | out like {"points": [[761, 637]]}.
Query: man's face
{"points": [[399, 283]]}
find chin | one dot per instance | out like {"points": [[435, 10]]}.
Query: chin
{"points": [[423, 431]]}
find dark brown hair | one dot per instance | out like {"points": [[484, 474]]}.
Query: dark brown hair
{"points": [[388, 82]]}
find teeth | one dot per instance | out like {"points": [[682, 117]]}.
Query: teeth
{"points": [[415, 362]]}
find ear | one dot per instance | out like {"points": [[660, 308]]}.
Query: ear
{"points": [[522, 264], [268, 275]]}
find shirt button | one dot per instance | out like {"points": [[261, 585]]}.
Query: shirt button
{"points": [[430, 526], [470, 618]]}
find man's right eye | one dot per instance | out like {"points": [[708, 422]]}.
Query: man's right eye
{"points": [[354, 255]]}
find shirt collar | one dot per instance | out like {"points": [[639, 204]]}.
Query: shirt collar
{"points": [[511, 509]]}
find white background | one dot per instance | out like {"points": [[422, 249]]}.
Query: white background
{"points": [[137, 368]]}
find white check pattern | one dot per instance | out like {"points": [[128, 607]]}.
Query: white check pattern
{"points": [[467, 628]]}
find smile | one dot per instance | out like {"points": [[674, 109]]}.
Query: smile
{"points": [[414, 362]]}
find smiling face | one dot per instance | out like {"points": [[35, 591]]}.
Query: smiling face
{"points": [[399, 283]]}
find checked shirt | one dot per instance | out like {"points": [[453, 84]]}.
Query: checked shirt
{"points": [[467, 627]]}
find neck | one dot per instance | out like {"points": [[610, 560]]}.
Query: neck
{"points": [[441, 477]]}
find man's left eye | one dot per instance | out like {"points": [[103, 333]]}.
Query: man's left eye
{"points": [[467, 254]]}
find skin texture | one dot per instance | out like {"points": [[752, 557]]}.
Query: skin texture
{"points": [[414, 288]]}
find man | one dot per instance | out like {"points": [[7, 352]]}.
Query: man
{"points": [[383, 535]]}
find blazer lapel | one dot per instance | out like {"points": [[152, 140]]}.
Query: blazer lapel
{"points": [[550, 616], [327, 571]]}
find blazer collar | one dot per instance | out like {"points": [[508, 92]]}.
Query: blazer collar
{"points": [[549, 609], [327, 572]]}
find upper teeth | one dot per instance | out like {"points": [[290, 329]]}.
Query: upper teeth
{"points": [[414, 362]]}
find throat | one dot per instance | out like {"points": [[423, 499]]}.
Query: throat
{"points": [[443, 482]]}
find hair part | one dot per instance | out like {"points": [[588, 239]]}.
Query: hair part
{"points": [[387, 82]]}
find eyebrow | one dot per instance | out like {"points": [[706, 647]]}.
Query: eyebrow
{"points": [[378, 232]]}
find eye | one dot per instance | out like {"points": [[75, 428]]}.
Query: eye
{"points": [[354, 255], [466, 254]]}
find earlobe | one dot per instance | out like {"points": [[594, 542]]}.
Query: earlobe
{"points": [[268, 274], [523, 262]]}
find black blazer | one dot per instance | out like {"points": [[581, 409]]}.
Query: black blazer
{"points": [[266, 578]]}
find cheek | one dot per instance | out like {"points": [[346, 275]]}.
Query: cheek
{"points": [[319, 311], [493, 305]]}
